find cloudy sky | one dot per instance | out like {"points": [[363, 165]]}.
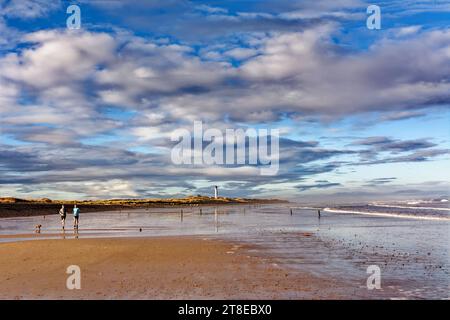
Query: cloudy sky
{"points": [[362, 114]]}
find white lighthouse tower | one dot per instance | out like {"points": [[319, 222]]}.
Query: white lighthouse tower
{"points": [[216, 192]]}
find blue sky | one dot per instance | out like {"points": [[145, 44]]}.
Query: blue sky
{"points": [[88, 113]]}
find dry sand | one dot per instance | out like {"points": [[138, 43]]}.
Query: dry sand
{"points": [[149, 268]]}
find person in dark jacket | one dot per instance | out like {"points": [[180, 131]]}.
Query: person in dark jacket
{"points": [[62, 214]]}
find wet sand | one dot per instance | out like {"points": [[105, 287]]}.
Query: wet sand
{"points": [[10, 210], [323, 258], [150, 268]]}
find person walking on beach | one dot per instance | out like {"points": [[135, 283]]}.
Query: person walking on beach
{"points": [[62, 214], [76, 216]]}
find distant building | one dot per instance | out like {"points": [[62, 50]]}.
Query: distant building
{"points": [[216, 192]]}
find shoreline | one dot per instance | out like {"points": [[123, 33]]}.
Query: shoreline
{"points": [[164, 267]]}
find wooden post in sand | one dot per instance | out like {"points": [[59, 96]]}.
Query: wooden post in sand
{"points": [[201, 211], [181, 215], [291, 211]]}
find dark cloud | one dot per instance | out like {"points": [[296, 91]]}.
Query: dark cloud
{"points": [[317, 186], [18, 161], [402, 115], [384, 150], [417, 156], [379, 181], [385, 144]]}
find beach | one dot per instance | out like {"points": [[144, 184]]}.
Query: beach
{"points": [[147, 268], [228, 252]]}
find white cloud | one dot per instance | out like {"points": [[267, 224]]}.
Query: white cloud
{"points": [[27, 9], [241, 53], [58, 57], [406, 31], [53, 91]]}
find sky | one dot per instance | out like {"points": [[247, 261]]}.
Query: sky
{"points": [[88, 114]]}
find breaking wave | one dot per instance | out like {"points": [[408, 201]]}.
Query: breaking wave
{"points": [[390, 214]]}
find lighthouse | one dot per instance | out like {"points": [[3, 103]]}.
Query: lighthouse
{"points": [[216, 192]]}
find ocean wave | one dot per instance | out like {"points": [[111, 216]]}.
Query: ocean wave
{"points": [[388, 215], [405, 207]]}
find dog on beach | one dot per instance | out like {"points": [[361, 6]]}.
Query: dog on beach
{"points": [[37, 228]]}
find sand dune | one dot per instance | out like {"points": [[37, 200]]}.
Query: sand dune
{"points": [[14, 207]]}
